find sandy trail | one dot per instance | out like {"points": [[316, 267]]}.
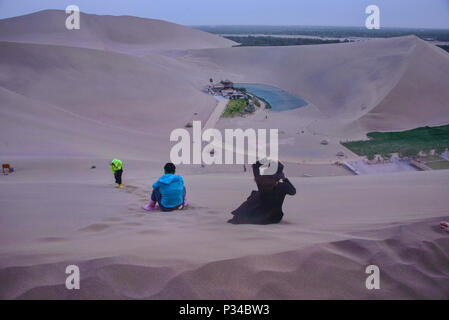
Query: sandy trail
{"points": [[216, 114]]}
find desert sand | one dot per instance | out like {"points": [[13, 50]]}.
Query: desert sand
{"points": [[117, 88]]}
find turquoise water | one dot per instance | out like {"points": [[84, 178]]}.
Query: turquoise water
{"points": [[279, 100]]}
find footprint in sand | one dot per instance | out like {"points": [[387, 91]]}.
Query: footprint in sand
{"points": [[96, 227], [150, 232], [113, 219], [135, 209], [191, 206], [137, 191], [133, 224], [130, 188]]}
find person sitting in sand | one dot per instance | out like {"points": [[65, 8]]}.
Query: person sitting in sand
{"points": [[117, 170], [265, 205], [169, 192]]}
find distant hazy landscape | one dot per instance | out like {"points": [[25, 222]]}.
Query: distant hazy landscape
{"points": [[329, 32], [303, 35]]}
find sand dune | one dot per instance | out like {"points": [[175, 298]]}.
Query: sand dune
{"points": [[117, 92], [115, 33], [285, 275], [293, 275], [421, 96]]}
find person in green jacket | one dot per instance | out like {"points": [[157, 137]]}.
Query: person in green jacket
{"points": [[117, 170]]}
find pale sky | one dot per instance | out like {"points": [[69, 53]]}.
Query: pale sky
{"points": [[393, 13]]}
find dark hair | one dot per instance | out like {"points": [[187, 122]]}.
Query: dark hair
{"points": [[169, 167]]}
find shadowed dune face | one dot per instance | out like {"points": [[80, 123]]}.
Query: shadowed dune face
{"points": [[113, 95], [420, 97], [88, 91], [117, 89], [115, 33]]}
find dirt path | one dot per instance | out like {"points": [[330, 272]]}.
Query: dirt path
{"points": [[215, 116]]}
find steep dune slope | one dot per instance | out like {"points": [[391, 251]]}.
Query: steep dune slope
{"points": [[31, 128], [117, 89], [114, 90], [115, 33], [421, 96]]}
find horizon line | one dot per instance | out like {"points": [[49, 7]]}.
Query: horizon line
{"points": [[228, 25]]}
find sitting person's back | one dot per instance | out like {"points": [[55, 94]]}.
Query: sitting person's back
{"points": [[168, 191], [171, 188], [265, 205]]}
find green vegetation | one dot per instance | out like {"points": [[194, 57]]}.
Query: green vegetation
{"points": [[407, 143], [435, 162], [332, 32], [259, 41], [235, 107]]}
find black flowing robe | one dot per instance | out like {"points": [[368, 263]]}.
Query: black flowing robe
{"points": [[263, 207]]}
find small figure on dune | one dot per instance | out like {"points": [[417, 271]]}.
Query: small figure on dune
{"points": [[169, 192], [265, 205], [6, 166], [117, 170]]}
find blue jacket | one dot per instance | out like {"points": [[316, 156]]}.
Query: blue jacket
{"points": [[171, 189]]}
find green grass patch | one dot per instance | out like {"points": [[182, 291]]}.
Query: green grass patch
{"points": [[235, 107], [407, 143], [258, 41], [435, 162], [438, 165]]}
